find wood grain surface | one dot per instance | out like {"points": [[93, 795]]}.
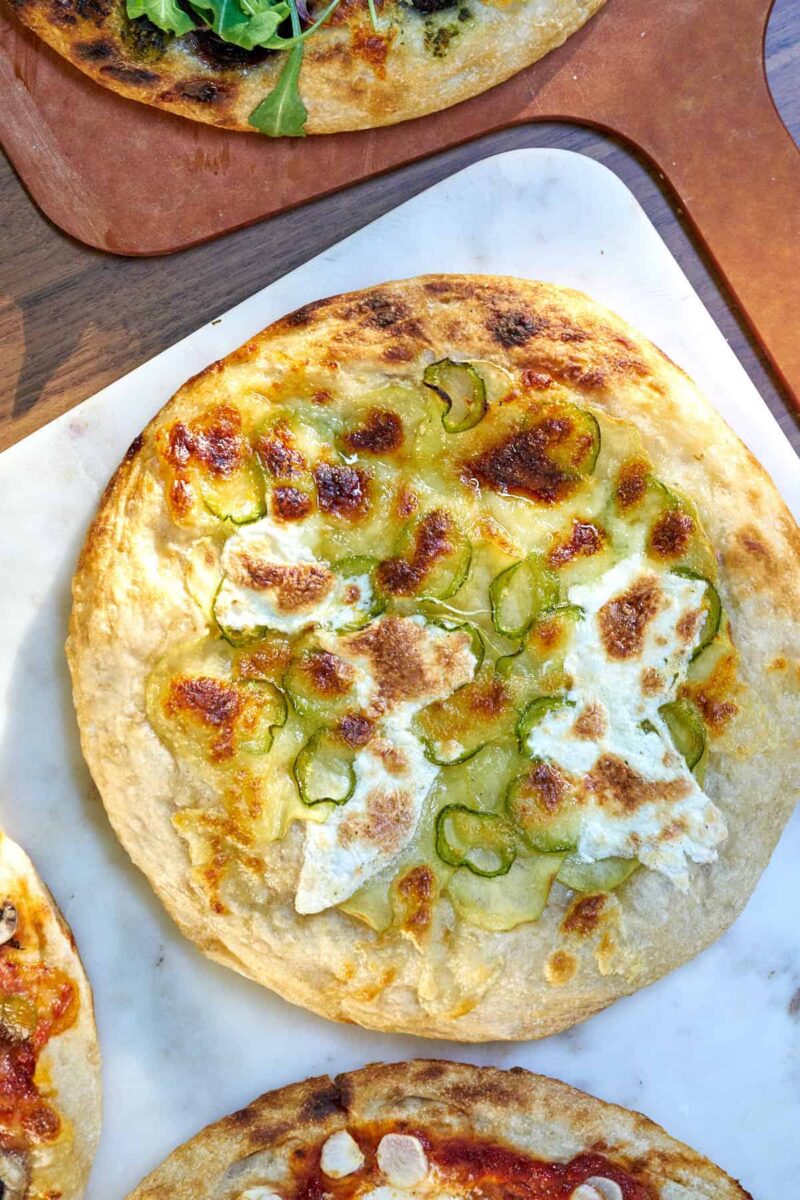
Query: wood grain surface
{"points": [[73, 319]]}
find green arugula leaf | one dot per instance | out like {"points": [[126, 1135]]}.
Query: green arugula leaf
{"points": [[248, 29], [282, 113], [164, 13]]}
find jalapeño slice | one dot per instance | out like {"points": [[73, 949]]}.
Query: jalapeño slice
{"points": [[686, 729], [323, 770], [541, 804], [463, 391], [712, 606], [500, 904], [359, 568], [534, 712], [238, 497], [601, 876], [456, 728], [431, 559], [482, 842], [519, 593]]}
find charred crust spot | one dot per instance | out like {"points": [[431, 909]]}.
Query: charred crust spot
{"points": [[397, 353], [621, 789], [290, 503], [752, 543], [203, 91], [514, 327], [94, 51], [521, 464], [181, 497], [134, 447], [132, 75], [381, 433], [93, 10], [624, 619], [61, 14], [670, 534], [383, 312], [427, 7], [583, 915], [632, 483], [222, 55], [330, 675], [342, 491], [323, 1103], [355, 729], [372, 48], [432, 540], [302, 316], [585, 540]]}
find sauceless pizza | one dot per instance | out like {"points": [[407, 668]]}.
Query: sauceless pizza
{"points": [[437, 1130], [49, 1060], [291, 67], [437, 658]]}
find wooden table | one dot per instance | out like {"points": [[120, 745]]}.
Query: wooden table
{"points": [[72, 319]]}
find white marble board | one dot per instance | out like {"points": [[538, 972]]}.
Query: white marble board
{"points": [[711, 1052]]}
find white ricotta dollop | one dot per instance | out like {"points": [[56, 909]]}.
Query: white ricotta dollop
{"points": [[402, 1159], [392, 775], [674, 820], [244, 603], [363, 836], [341, 1155]]}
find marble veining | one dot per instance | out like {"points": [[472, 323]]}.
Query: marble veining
{"points": [[711, 1052]]}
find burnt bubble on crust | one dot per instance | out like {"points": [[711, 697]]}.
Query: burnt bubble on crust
{"points": [[342, 491], [433, 6], [514, 327], [221, 55]]}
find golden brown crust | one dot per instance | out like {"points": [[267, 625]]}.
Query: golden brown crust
{"points": [[133, 599], [528, 1113], [70, 1060], [352, 77]]}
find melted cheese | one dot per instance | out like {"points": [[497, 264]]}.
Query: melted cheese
{"points": [[376, 824], [673, 820], [271, 544], [393, 776]]}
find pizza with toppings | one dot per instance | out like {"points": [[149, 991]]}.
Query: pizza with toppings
{"points": [[427, 652], [430, 1130], [49, 1059], [292, 67]]}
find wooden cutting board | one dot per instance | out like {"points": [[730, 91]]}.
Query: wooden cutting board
{"points": [[683, 82]]}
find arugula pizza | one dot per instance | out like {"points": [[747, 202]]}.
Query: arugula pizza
{"points": [[49, 1060], [291, 67], [427, 653], [438, 1130]]}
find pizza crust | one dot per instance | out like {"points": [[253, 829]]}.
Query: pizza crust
{"points": [[70, 1061], [528, 1113], [352, 78], [132, 600]]}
